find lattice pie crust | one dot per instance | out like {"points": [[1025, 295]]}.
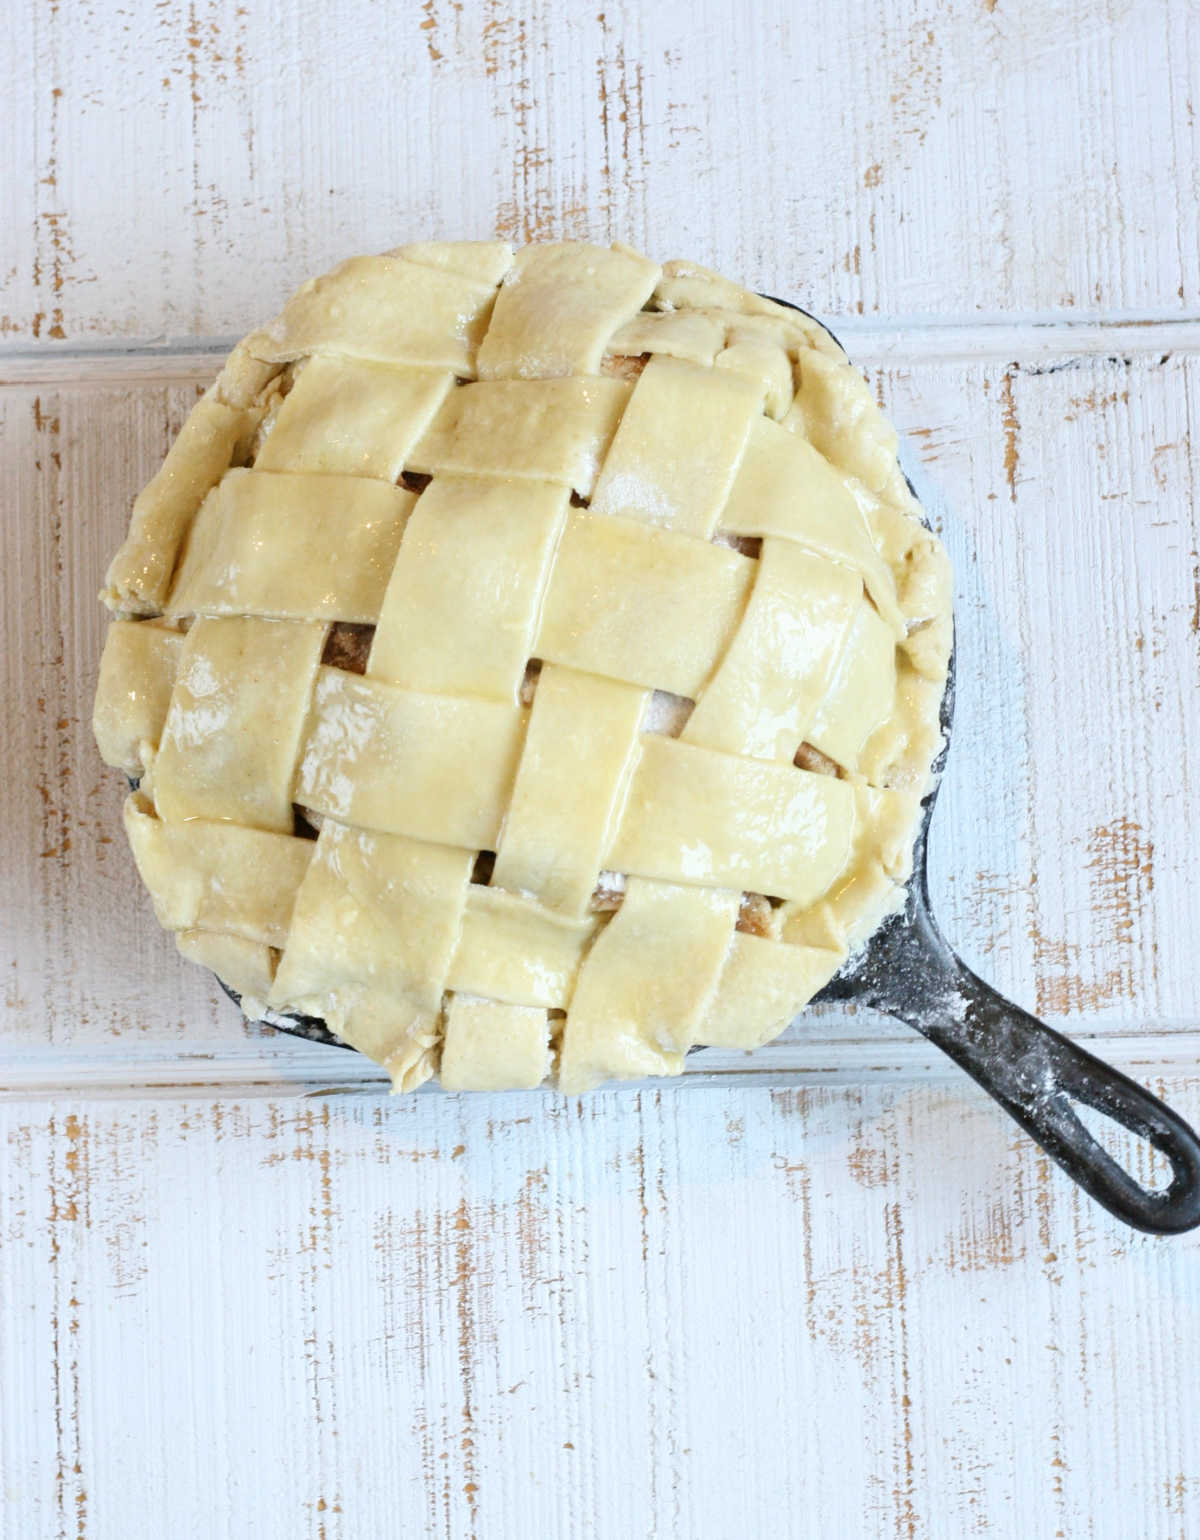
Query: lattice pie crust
{"points": [[531, 664]]}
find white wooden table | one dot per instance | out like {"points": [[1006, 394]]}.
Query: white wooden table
{"points": [[840, 1296]]}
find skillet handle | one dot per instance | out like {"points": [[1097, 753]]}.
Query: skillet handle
{"points": [[1035, 1073]]}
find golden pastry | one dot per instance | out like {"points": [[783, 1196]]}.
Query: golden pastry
{"points": [[530, 665]]}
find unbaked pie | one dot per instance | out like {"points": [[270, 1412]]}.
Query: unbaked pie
{"points": [[529, 665]]}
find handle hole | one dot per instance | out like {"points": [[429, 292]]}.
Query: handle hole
{"points": [[1146, 1164]]}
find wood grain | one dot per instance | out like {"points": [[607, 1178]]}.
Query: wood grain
{"points": [[457, 1317], [858, 1303], [181, 164]]}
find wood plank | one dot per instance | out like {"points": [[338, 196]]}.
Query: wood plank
{"points": [[827, 1312], [1076, 485], [182, 168]]}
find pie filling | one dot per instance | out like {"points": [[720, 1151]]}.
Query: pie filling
{"points": [[531, 665]]}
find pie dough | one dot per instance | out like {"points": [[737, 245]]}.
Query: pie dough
{"points": [[530, 665]]}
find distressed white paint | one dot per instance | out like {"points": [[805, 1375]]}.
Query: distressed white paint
{"points": [[923, 157], [732, 1314], [865, 1309]]}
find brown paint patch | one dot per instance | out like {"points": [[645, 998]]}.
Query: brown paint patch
{"points": [[307, 1136], [639, 1166], [408, 1257], [876, 1312], [916, 87], [680, 117], [437, 1276], [799, 1185], [795, 1103], [994, 1244], [1120, 869], [1093, 401], [1160, 461], [53, 251], [538, 207], [214, 69], [66, 1196], [1176, 1491], [533, 1229], [1061, 988], [70, 1160], [873, 175], [620, 90], [1121, 875], [868, 1164], [429, 26], [1194, 619], [1012, 431], [926, 442], [1043, 1204], [464, 1308], [908, 1522], [799, 1181], [504, 39], [60, 745], [318, 1509], [213, 59]]}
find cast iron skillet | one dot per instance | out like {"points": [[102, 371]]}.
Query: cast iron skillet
{"points": [[909, 971]]}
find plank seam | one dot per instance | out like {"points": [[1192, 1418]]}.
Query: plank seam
{"points": [[867, 340]]}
